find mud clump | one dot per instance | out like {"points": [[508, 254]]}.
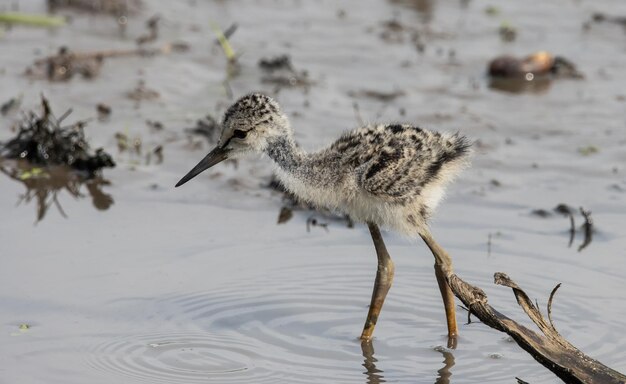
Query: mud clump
{"points": [[41, 140]]}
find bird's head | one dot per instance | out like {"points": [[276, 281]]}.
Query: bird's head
{"points": [[249, 126]]}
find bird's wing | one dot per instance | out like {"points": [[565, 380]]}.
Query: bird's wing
{"points": [[395, 162]]}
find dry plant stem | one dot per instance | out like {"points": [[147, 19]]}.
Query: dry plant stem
{"points": [[384, 278], [549, 348]]}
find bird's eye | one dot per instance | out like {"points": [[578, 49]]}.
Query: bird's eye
{"points": [[239, 134]]}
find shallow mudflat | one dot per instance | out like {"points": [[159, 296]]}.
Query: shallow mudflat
{"points": [[144, 283]]}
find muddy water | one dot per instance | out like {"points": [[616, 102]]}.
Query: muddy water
{"points": [[199, 285]]}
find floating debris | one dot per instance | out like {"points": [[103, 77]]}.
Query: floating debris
{"points": [[492, 10], [588, 150], [153, 30], [280, 72], [538, 64], [507, 32], [604, 18], [110, 7], [541, 213], [142, 93], [124, 143], [563, 209], [66, 64], [43, 141], [157, 152], [378, 95], [154, 125], [533, 73], [11, 105], [104, 111], [282, 62], [208, 127]]}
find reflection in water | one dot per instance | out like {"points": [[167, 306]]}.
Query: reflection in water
{"points": [[373, 374], [521, 85], [44, 184], [444, 372]]}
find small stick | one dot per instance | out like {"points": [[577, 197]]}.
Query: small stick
{"points": [[550, 305]]}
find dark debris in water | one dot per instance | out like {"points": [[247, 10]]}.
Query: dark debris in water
{"points": [[11, 105], [539, 63], [281, 62], [104, 111], [67, 64], [531, 73], [383, 96], [110, 7], [142, 93], [599, 17], [280, 72], [153, 31], [43, 141], [208, 127]]}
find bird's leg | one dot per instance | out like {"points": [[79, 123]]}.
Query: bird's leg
{"points": [[443, 267], [384, 278]]}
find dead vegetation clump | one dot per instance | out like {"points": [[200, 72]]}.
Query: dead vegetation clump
{"points": [[42, 140]]}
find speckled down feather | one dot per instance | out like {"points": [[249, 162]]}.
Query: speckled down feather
{"points": [[393, 175]]}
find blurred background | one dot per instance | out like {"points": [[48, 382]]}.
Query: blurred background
{"points": [[108, 274]]}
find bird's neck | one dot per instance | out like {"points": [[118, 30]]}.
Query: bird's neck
{"points": [[286, 154], [309, 176]]}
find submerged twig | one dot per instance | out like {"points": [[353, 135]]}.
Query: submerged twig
{"points": [[550, 305]]}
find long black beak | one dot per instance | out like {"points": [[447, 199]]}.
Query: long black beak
{"points": [[215, 156]]}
